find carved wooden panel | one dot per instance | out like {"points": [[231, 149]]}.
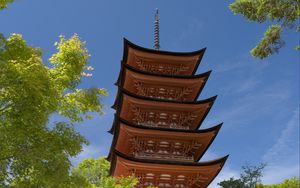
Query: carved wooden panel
{"points": [[179, 93], [162, 175], [165, 119], [152, 148], [161, 62], [174, 180], [162, 68]]}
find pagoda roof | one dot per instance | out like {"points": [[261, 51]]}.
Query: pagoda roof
{"points": [[122, 91], [180, 88], [161, 112], [171, 173], [165, 144], [126, 66], [165, 62]]}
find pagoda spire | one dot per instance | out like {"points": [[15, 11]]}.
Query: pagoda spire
{"points": [[156, 30]]}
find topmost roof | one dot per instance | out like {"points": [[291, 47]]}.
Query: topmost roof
{"points": [[180, 63], [127, 43]]}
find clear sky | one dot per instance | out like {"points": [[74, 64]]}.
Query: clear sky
{"points": [[258, 101]]}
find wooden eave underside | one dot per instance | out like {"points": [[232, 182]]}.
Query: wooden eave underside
{"points": [[135, 56], [125, 132], [177, 88], [126, 66], [193, 112], [158, 115], [121, 92], [122, 165]]}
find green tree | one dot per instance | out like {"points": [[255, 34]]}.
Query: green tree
{"points": [[4, 3], [288, 183], [94, 173], [248, 178], [252, 174], [283, 13], [32, 152], [232, 183]]}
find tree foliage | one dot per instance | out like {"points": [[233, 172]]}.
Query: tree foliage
{"points": [[252, 174], [231, 183], [251, 178], [4, 3], [284, 13], [32, 152], [248, 178], [94, 173], [288, 183]]}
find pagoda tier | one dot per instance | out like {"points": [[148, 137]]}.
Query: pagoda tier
{"points": [[162, 144], [164, 174], [155, 130], [179, 88], [152, 112], [163, 62]]}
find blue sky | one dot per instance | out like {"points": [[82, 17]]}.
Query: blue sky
{"points": [[258, 100]]}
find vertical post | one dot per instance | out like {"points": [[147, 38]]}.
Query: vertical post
{"points": [[156, 31]]}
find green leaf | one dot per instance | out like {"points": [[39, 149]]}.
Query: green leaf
{"points": [[270, 43], [4, 3], [95, 173], [284, 13], [32, 152]]}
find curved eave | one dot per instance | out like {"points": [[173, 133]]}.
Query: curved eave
{"points": [[121, 79], [122, 91], [128, 44], [119, 120], [214, 128], [126, 66], [220, 161], [118, 105]]}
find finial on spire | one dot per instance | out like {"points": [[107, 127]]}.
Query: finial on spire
{"points": [[156, 30]]}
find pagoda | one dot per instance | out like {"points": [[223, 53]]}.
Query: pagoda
{"points": [[156, 134]]}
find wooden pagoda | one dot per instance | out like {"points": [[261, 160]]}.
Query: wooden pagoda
{"points": [[155, 130]]}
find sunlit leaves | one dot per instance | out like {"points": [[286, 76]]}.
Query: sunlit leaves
{"points": [[33, 153], [93, 173], [81, 102], [286, 11], [288, 183], [283, 12], [270, 44], [69, 62], [24, 84], [252, 10], [4, 3]]}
